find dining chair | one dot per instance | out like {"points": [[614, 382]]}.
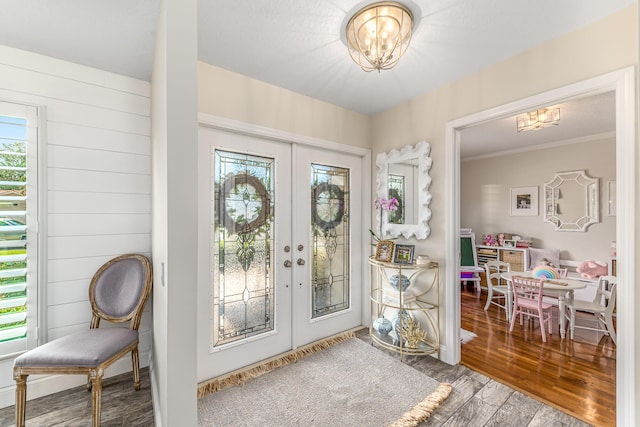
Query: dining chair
{"points": [[497, 292], [117, 293], [527, 299], [601, 307]]}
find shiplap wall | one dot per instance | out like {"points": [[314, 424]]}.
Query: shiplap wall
{"points": [[98, 148]]}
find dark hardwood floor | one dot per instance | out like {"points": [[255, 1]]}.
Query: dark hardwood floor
{"points": [[577, 377]]}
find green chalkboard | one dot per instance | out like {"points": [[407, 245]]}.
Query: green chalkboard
{"points": [[467, 258]]}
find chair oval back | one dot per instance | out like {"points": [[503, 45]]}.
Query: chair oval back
{"points": [[120, 288]]}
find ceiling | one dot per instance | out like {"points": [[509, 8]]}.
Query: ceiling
{"points": [[298, 45], [580, 120]]}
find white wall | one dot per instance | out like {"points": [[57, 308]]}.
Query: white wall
{"points": [[607, 45], [600, 48], [174, 88], [485, 187], [225, 94], [99, 187]]}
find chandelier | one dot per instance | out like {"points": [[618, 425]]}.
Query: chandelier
{"points": [[538, 119], [378, 35]]}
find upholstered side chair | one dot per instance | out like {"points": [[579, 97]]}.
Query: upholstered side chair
{"points": [[117, 293]]}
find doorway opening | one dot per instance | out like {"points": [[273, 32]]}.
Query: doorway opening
{"points": [[623, 84]]}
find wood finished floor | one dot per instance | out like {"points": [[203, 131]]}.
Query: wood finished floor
{"points": [[578, 377], [122, 406]]}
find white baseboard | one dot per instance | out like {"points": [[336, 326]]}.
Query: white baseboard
{"points": [[44, 385]]}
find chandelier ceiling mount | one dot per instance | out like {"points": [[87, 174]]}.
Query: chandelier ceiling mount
{"points": [[379, 34]]}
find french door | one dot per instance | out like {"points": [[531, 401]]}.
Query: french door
{"points": [[279, 248]]}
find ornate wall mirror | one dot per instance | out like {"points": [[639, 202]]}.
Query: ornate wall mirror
{"points": [[572, 201], [404, 174]]}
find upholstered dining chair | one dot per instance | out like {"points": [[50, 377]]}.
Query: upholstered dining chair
{"points": [[498, 293], [527, 299], [601, 307], [118, 292]]}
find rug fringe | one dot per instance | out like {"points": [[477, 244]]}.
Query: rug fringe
{"points": [[241, 376], [424, 409]]}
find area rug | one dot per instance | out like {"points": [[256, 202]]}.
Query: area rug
{"points": [[352, 383]]}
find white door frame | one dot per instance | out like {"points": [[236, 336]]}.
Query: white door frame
{"points": [[239, 127], [622, 82]]}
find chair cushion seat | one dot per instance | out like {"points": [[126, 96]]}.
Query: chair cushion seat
{"points": [[83, 349]]}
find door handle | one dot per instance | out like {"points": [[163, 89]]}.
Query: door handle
{"points": [[300, 261], [287, 263]]}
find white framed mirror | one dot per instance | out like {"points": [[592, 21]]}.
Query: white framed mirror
{"points": [[572, 201], [404, 174]]}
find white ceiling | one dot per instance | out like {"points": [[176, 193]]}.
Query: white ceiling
{"points": [[580, 120], [298, 44]]}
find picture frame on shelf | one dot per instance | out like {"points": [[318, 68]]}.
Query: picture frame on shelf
{"points": [[524, 201], [403, 254], [384, 250], [510, 243]]}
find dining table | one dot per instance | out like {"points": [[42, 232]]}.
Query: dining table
{"points": [[561, 288]]}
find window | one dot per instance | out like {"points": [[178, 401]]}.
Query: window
{"points": [[18, 219]]}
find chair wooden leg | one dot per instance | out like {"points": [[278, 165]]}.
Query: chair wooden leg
{"points": [[135, 359], [21, 398], [541, 316], [489, 298], [609, 325], [513, 322], [96, 396]]}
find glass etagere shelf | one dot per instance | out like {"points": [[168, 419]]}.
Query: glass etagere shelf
{"points": [[405, 307]]}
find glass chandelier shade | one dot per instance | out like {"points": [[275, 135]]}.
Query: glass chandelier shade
{"points": [[538, 119], [378, 35]]}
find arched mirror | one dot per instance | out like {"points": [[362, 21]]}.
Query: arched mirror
{"points": [[404, 174], [572, 201]]}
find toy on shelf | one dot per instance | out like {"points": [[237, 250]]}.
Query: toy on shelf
{"points": [[593, 269], [489, 240]]}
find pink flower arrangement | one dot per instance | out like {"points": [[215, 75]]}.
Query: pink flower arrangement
{"points": [[384, 205]]}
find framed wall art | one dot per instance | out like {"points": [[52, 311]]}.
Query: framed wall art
{"points": [[524, 201]]}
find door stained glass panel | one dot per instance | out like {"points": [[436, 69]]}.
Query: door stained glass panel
{"points": [[243, 279], [330, 239]]}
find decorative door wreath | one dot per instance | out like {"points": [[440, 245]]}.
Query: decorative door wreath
{"points": [[327, 219], [252, 187]]}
